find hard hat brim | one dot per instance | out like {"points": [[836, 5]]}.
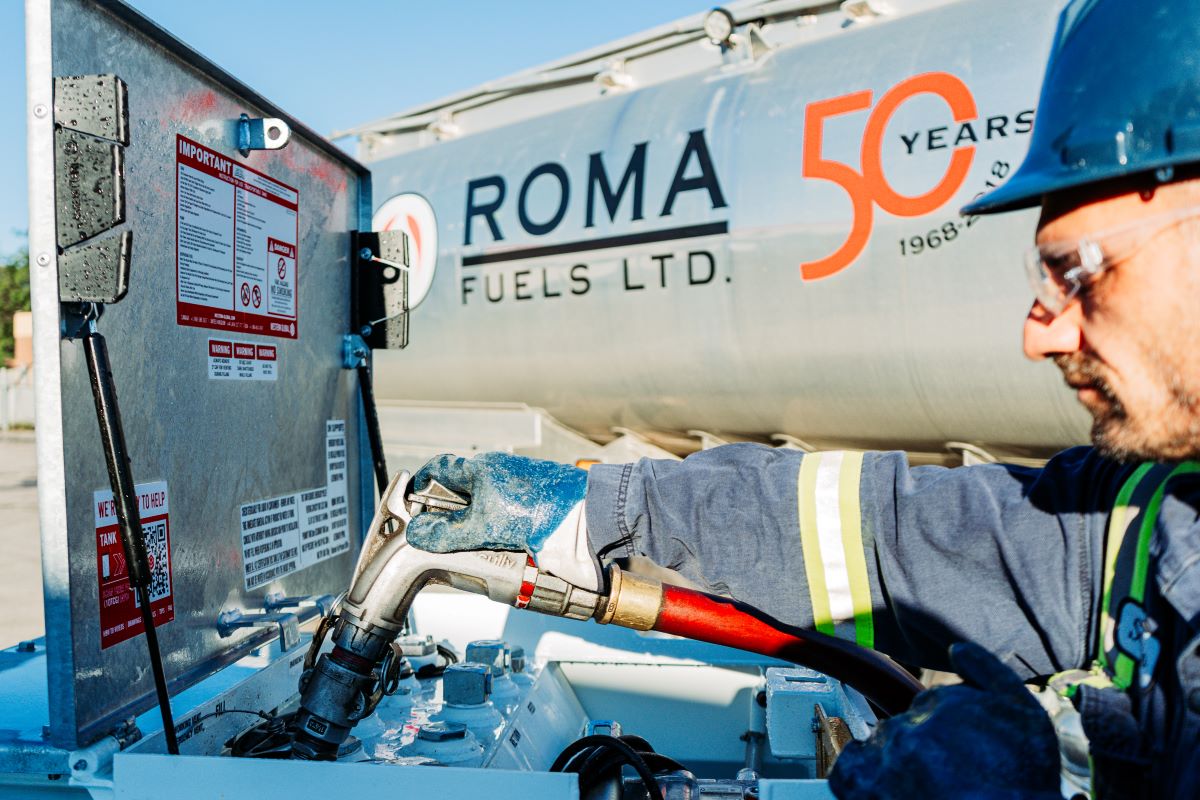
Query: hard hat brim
{"points": [[1012, 196]]}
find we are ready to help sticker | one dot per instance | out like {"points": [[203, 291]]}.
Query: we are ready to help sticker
{"points": [[285, 534], [120, 614]]}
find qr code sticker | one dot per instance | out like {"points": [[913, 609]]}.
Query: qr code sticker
{"points": [[155, 534]]}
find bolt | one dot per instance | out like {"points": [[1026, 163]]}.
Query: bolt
{"points": [[466, 684], [43, 259], [441, 731], [365, 254], [487, 651], [40, 110], [80, 765]]}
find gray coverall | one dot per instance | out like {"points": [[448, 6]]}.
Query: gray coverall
{"points": [[909, 560]]}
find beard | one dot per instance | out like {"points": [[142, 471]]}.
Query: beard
{"points": [[1170, 436]]}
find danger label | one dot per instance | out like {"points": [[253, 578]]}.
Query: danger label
{"points": [[120, 614], [236, 256], [241, 361], [282, 535]]}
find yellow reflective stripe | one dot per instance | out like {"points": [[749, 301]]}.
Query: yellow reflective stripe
{"points": [[814, 567], [1112, 546], [856, 559]]}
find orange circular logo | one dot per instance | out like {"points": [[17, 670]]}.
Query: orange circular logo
{"points": [[412, 214]]}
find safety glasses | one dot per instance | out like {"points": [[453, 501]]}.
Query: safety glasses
{"points": [[1060, 271]]}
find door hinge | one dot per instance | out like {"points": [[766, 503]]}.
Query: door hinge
{"points": [[91, 131], [380, 288]]}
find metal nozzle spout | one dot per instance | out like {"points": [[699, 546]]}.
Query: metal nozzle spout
{"points": [[342, 686]]}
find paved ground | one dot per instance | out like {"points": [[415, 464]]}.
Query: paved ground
{"points": [[20, 552]]}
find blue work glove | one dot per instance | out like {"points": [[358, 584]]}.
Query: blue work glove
{"points": [[516, 503], [986, 739]]}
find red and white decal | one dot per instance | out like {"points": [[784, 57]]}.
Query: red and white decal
{"points": [[412, 214], [241, 361], [528, 583], [236, 237], [120, 615]]}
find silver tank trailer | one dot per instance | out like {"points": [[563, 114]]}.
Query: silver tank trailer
{"points": [[785, 254]]}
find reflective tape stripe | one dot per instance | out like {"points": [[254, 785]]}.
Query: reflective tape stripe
{"points": [[814, 569], [829, 534], [830, 519], [856, 557]]}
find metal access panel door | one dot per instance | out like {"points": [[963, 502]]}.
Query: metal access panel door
{"points": [[243, 426]]}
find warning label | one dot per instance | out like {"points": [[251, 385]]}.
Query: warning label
{"points": [[241, 361], [236, 245], [120, 614], [285, 534]]}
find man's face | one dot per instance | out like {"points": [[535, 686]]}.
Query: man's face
{"points": [[1129, 344]]}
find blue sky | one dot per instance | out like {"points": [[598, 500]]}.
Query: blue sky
{"points": [[364, 59]]}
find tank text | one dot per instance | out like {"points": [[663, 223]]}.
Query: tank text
{"points": [[638, 273], [544, 198]]}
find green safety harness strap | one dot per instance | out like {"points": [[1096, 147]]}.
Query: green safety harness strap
{"points": [[1127, 562], [1126, 574]]}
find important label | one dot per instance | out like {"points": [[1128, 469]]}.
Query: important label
{"points": [[120, 614], [282, 535], [241, 361], [236, 257]]}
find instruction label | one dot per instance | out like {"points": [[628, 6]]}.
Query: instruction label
{"points": [[282, 535], [120, 614], [236, 237], [241, 361]]}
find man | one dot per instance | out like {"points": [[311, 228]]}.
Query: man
{"points": [[1092, 562]]}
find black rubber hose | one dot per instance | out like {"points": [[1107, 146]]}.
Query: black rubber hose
{"points": [[436, 670], [632, 758], [637, 743], [371, 416], [599, 764]]}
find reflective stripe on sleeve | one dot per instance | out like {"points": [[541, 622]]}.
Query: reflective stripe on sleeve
{"points": [[830, 517], [856, 556]]}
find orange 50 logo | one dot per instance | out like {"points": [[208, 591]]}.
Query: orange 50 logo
{"points": [[869, 187]]}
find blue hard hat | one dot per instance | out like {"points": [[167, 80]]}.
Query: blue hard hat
{"points": [[1121, 97]]}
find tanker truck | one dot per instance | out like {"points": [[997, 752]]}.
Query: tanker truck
{"points": [[742, 226], [682, 239]]}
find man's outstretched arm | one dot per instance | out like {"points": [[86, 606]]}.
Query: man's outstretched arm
{"points": [[860, 545]]}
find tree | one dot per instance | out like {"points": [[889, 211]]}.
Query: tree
{"points": [[14, 296]]}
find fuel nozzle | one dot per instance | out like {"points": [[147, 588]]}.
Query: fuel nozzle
{"points": [[343, 686], [339, 690]]}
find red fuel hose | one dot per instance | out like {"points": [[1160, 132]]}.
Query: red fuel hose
{"points": [[719, 620]]}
